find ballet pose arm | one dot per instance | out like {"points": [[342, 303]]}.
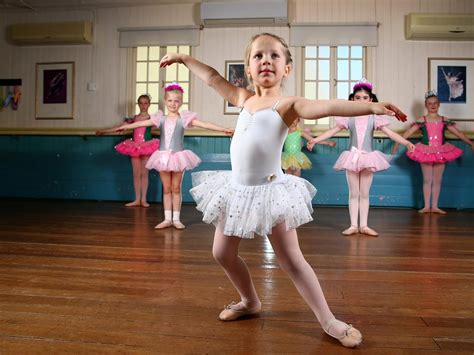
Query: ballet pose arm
{"points": [[460, 135], [322, 137], [309, 138], [233, 94], [213, 127], [408, 133], [397, 138]]}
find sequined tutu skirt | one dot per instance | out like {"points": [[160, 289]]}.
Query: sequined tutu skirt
{"points": [[244, 210], [426, 154], [133, 149], [295, 161]]}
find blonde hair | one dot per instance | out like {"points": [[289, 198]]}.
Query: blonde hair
{"points": [[286, 50]]}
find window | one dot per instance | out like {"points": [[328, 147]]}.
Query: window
{"points": [[150, 78], [331, 72]]}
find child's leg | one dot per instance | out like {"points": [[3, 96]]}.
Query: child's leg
{"points": [[427, 170], [291, 260], [136, 181], [353, 184], [165, 177], [176, 180], [438, 170], [366, 177], [144, 180], [226, 252]]}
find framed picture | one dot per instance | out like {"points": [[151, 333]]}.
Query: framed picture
{"points": [[453, 80], [235, 74], [54, 91]]}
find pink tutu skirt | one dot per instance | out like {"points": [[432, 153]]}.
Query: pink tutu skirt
{"points": [[426, 154], [131, 148], [357, 160], [165, 160]]}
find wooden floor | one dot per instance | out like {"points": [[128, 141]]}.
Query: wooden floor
{"points": [[95, 277]]}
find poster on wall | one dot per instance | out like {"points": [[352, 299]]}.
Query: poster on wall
{"points": [[54, 90], [235, 74], [452, 79]]}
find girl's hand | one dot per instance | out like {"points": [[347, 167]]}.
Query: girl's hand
{"points": [[410, 147], [170, 58], [229, 132], [386, 108], [99, 133], [332, 144], [310, 145]]}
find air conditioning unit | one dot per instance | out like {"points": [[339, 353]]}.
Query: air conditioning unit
{"points": [[442, 27], [215, 13], [54, 33]]}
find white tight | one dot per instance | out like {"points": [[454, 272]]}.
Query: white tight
{"points": [[432, 177], [359, 188]]}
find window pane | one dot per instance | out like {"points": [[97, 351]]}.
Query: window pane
{"points": [[324, 51], [154, 91], [171, 73], [356, 52], [140, 90], [183, 73], [342, 90], [141, 71], [185, 107], [343, 52], [323, 90], [323, 70], [154, 71], [185, 87], [324, 120], [342, 70], [184, 49], [154, 53], [310, 70], [310, 52], [310, 91], [142, 53], [172, 49], [356, 69]]}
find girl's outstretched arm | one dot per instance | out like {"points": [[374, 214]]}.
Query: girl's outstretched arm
{"points": [[235, 95], [109, 130], [144, 123], [309, 138], [461, 136], [405, 135], [212, 127], [315, 109], [397, 138], [322, 137]]}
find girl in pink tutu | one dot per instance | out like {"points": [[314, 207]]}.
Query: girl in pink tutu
{"points": [[138, 148], [171, 160], [433, 152], [361, 161]]}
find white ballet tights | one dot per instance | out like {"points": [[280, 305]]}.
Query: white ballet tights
{"points": [[432, 177], [359, 189], [291, 260]]}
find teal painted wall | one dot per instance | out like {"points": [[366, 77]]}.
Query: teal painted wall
{"points": [[87, 167]]}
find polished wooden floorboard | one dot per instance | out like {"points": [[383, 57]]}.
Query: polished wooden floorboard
{"points": [[95, 277]]}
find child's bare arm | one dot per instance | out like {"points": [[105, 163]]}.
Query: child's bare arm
{"points": [[323, 137], [397, 138], [405, 135], [212, 127], [461, 136], [309, 138], [210, 76]]}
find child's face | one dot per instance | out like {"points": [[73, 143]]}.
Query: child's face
{"points": [[432, 104], [267, 62], [362, 96], [143, 104], [173, 101]]}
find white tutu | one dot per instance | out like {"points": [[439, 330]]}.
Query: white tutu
{"points": [[244, 210]]}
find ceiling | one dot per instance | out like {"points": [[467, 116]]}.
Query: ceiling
{"points": [[38, 5]]}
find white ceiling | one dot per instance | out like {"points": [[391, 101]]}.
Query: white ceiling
{"points": [[38, 5]]}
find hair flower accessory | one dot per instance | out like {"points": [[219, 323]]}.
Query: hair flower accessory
{"points": [[364, 83], [431, 93], [174, 86]]}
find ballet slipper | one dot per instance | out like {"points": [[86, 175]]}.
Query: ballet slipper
{"points": [[145, 204], [165, 224], [351, 230], [235, 311], [438, 210], [178, 225], [424, 210], [132, 204], [351, 336], [368, 231]]}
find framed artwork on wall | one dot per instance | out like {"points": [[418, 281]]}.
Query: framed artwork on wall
{"points": [[54, 98], [235, 74], [453, 79]]}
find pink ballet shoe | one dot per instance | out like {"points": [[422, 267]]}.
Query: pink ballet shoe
{"points": [[178, 225], [438, 210], [351, 230], [235, 311], [132, 204], [165, 224], [350, 338], [145, 204], [368, 231], [424, 210]]}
